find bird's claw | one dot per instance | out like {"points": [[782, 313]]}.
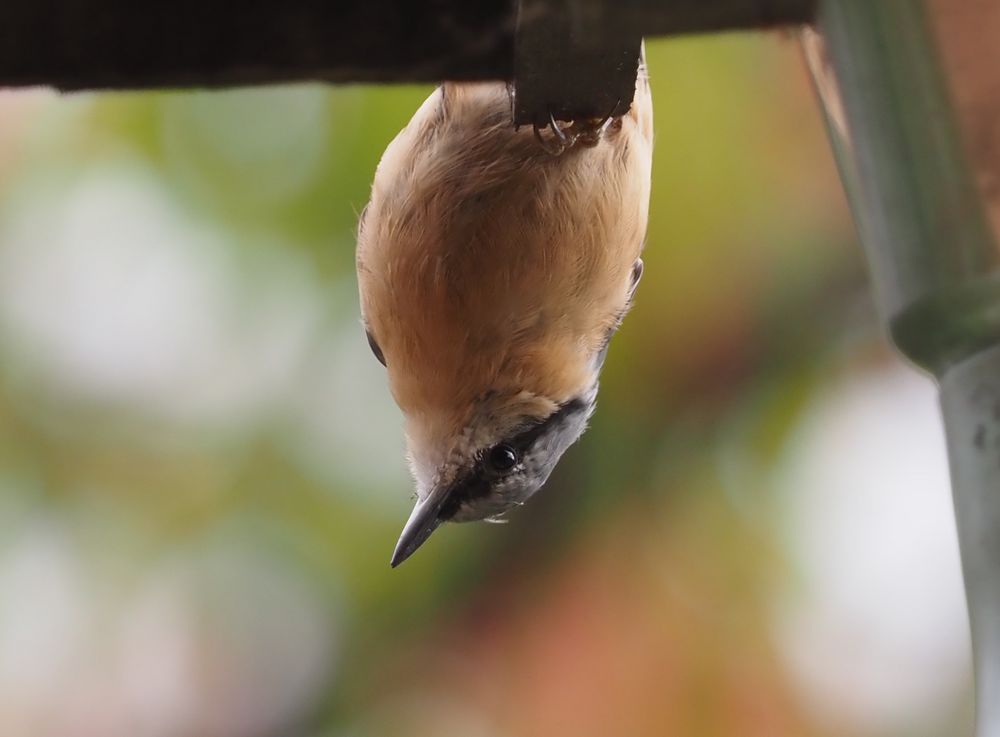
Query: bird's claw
{"points": [[562, 140], [588, 132]]}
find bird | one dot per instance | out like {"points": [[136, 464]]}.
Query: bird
{"points": [[494, 263]]}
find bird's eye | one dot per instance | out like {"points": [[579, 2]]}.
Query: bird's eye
{"points": [[374, 346], [503, 458]]}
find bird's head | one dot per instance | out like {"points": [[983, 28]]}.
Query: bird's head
{"points": [[482, 465]]}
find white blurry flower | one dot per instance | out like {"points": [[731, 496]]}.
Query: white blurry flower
{"points": [[220, 641], [45, 610], [224, 644], [873, 624], [109, 292]]}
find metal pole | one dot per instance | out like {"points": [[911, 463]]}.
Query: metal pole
{"points": [[970, 398], [934, 265]]}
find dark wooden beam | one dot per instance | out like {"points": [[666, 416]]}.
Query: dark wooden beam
{"points": [[131, 44]]}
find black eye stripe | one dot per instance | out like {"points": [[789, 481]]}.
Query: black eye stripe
{"points": [[468, 488], [525, 438], [529, 435]]}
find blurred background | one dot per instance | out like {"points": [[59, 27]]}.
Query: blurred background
{"points": [[202, 472]]}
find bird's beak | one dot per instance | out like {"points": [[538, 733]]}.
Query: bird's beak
{"points": [[423, 521]]}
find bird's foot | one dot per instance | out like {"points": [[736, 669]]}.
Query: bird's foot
{"points": [[585, 131], [561, 140]]}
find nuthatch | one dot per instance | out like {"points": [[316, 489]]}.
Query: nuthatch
{"points": [[494, 264]]}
